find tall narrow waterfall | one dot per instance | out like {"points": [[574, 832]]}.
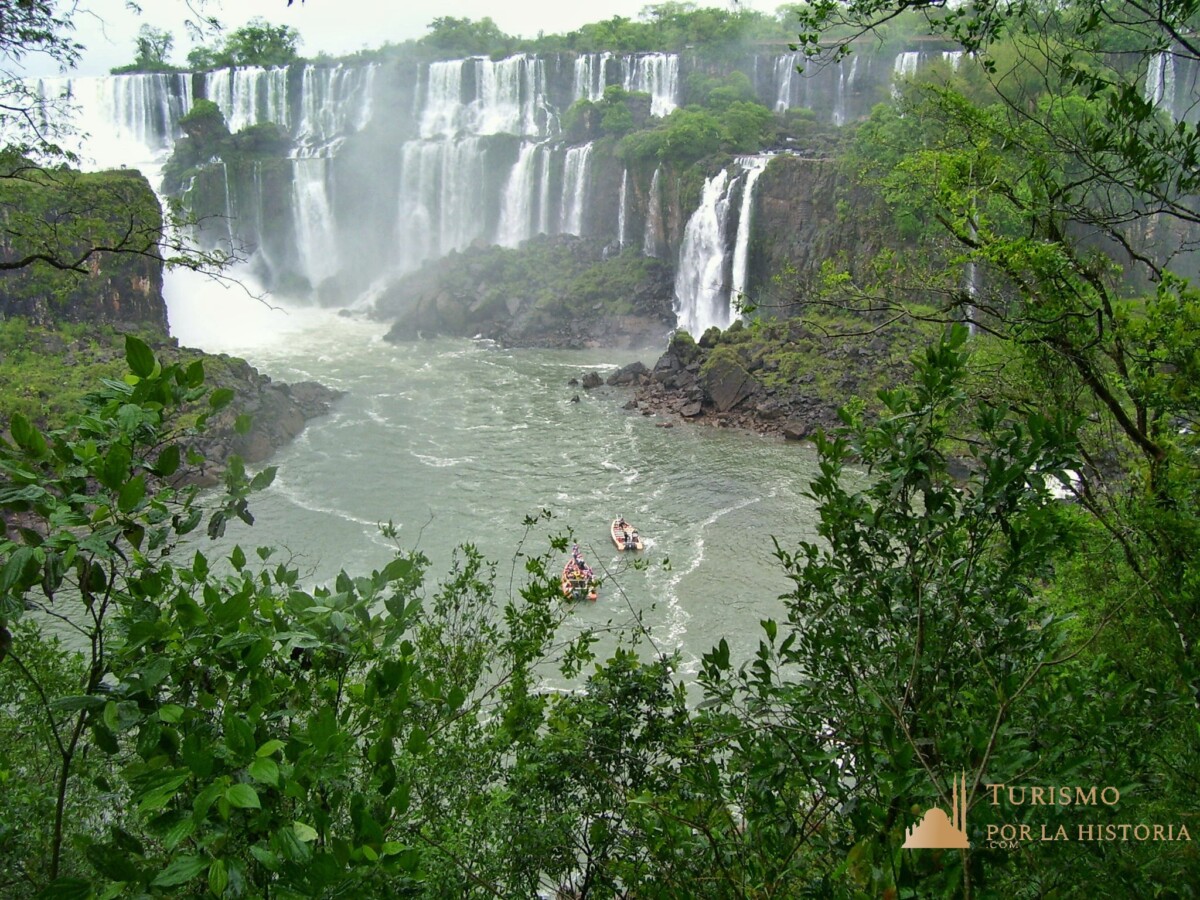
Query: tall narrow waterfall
{"points": [[652, 239], [575, 181], [315, 230], [785, 71], [516, 213], [622, 199], [701, 288], [754, 166], [1160, 81], [711, 273]]}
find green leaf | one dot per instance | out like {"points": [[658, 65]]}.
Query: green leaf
{"points": [[168, 462], [67, 889], [170, 713], [265, 770], [131, 493], [22, 569], [220, 398], [218, 877], [305, 833], [242, 796], [195, 374], [139, 356], [115, 470], [243, 423], [263, 479], [180, 870], [270, 748]]}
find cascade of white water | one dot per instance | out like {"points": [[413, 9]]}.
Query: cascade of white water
{"points": [[953, 58], [516, 210], [650, 238], [591, 76], [621, 200], [1159, 89], [443, 99], [906, 64], [250, 95], [575, 181], [847, 70], [544, 195], [754, 166], [785, 70], [334, 101], [122, 119], [312, 210], [656, 74], [509, 97], [701, 290], [441, 207]]}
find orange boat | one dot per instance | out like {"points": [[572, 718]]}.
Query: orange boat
{"points": [[625, 536], [578, 583]]}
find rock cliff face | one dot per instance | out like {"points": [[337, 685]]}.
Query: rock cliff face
{"points": [[64, 217], [115, 292], [561, 291]]}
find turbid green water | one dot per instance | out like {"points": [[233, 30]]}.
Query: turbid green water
{"points": [[458, 441]]}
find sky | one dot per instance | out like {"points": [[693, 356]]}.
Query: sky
{"points": [[107, 28]]}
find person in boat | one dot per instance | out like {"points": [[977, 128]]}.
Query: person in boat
{"points": [[633, 538]]}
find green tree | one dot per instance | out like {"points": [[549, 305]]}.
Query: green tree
{"points": [[259, 43], [451, 37], [153, 47]]}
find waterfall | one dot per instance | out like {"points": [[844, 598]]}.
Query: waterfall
{"points": [[334, 101], [591, 76], [785, 70], [621, 200], [701, 294], [316, 240], [845, 84], [441, 207], [575, 180], [654, 224], [754, 165], [543, 226], [953, 58], [709, 276], [506, 96], [1160, 81], [516, 211], [122, 119], [906, 64], [656, 74], [443, 99], [250, 95]]}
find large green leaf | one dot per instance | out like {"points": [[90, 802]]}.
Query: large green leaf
{"points": [[139, 356]]}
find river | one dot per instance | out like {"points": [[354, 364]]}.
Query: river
{"points": [[458, 441]]}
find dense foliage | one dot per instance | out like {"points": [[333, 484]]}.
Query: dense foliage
{"points": [[258, 43], [176, 724]]}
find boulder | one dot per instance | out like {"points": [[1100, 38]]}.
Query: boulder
{"points": [[630, 374], [592, 380], [726, 383]]}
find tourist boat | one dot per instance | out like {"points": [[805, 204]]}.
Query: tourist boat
{"points": [[578, 584], [625, 536]]}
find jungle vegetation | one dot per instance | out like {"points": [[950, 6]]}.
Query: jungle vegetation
{"points": [[231, 731]]}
